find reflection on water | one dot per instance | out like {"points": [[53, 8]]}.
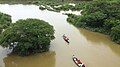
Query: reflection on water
{"points": [[104, 50], [100, 39], [3, 53], [46, 59], [95, 37]]}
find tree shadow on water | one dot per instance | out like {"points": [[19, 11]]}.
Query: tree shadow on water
{"points": [[46, 59], [99, 39], [94, 37]]}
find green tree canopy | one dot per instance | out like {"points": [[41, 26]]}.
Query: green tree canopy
{"points": [[115, 33], [5, 21], [28, 36], [101, 16]]}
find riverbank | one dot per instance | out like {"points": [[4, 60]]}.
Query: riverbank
{"points": [[97, 19], [94, 17], [58, 6]]}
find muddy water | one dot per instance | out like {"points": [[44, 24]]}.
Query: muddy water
{"points": [[94, 49]]}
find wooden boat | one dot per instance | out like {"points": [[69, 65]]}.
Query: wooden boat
{"points": [[66, 39], [77, 61]]}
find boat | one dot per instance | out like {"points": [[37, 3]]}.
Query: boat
{"points": [[77, 61], [66, 39]]}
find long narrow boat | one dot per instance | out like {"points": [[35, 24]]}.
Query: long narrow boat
{"points": [[66, 39], [77, 61]]}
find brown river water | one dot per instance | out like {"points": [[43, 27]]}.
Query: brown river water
{"points": [[94, 49]]}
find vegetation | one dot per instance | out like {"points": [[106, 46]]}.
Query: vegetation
{"points": [[42, 7], [5, 21], [58, 5], [78, 6], [115, 33], [27, 37], [100, 16], [16, 1], [97, 15]]}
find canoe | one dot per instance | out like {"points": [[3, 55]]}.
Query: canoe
{"points": [[66, 39], [77, 61]]}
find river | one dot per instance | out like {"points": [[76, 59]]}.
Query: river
{"points": [[94, 49]]}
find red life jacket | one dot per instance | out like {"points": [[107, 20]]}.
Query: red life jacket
{"points": [[83, 65], [78, 61]]}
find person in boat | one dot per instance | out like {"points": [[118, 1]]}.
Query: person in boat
{"points": [[66, 38], [78, 62], [81, 65]]}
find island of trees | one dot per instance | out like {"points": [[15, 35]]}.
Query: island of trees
{"points": [[25, 37]]}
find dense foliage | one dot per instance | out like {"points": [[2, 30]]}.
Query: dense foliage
{"points": [[5, 21], [100, 16], [27, 37], [67, 7], [16, 1], [115, 33], [58, 5]]}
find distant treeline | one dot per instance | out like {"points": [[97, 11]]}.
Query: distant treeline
{"points": [[16, 1], [42, 1]]}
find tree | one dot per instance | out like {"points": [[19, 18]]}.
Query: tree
{"points": [[5, 21], [115, 33], [62, 0], [100, 16], [94, 19], [28, 36], [111, 22]]}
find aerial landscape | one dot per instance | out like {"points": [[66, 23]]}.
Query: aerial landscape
{"points": [[59, 33]]}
